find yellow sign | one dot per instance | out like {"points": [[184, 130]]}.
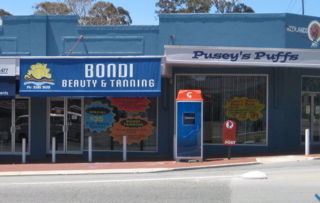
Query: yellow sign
{"points": [[244, 108]]}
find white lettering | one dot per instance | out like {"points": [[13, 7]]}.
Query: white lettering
{"points": [[79, 83], [88, 70], [110, 71], [100, 70], [229, 142], [132, 83]]}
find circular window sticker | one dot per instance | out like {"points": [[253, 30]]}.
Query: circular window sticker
{"points": [[314, 33]]}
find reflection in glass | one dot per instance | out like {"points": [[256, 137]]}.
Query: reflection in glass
{"points": [[21, 123], [57, 123], [65, 124], [5, 125]]}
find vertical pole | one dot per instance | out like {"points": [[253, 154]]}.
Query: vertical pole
{"points": [[53, 149], [307, 141], [23, 150], [302, 7], [90, 148], [229, 152], [124, 148]]}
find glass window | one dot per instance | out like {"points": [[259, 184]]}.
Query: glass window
{"points": [[5, 125], [242, 99], [107, 120]]}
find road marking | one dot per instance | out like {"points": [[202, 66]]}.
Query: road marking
{"points": [[117, 180]]}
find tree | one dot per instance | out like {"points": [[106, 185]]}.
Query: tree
{"points": [[4, 13], [184, 6], [202, 6], [52, 8], [242, 8], [231, 6], [80, 8], [103, 13]]}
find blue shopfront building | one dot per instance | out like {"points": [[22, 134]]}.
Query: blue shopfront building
{"points": [[71, 82]]}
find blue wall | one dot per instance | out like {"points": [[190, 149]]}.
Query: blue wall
{"points": [[42, 35]]}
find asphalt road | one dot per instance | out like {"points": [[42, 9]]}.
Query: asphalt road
{"points": [[285, 182]]}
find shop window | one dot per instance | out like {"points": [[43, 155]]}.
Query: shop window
{"points": [[242, 99], [107, 120]]}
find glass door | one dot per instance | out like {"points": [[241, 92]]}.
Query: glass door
{"points": [[14, 125], [310, 117], [65, 125]]}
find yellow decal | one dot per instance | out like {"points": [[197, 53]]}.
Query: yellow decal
{"points": [[38, 71], [244, 108]]}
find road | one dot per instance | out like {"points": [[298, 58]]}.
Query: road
{"points": [[286, 182]]}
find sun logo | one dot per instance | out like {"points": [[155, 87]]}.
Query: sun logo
{"points": [[39, 73]]}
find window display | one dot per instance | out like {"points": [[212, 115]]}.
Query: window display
{"points": [[242, 99], [107, 120]]}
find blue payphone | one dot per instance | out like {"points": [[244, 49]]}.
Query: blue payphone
{"points": [[189, 126]]}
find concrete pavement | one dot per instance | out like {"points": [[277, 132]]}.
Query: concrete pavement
{"points": [[140, 166]]}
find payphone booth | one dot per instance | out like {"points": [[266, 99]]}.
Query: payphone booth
{"points": [[189, 126]]}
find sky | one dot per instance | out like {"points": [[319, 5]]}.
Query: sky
{"points": [[142, 12]]}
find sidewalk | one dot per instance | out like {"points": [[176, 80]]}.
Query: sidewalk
{"points": [[100, 167]]}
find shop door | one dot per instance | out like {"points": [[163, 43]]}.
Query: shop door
{"points": [[14, 125], [65, 125], [310, 117]]}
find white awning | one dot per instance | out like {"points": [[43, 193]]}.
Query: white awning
{"points": [[208, 56]]}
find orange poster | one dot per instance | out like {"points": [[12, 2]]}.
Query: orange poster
{"points": [[135, 128]]}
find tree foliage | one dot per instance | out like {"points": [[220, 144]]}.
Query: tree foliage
{"points": [[202, 6], [103, 13], [52, 8], [4, 13], [184, 6], [231, 6], [100, 13], [80, 8]]}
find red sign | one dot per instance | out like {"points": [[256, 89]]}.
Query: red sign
{"points": [[189, 95], [131, 104], [229, 132]]}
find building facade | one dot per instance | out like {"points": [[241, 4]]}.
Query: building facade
{"points": [[73, 82]]}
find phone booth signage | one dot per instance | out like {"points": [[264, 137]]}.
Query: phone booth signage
{"points": [[229, 132], [189, 122]]}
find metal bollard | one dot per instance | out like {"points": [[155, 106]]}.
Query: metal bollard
{"points": [[90, 148], [307, 141], [53, 149], [124, 148], [23, 150]]}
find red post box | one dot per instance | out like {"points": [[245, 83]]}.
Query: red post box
{"points": [[229, 133]]}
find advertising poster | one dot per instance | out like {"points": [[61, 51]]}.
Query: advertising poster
{"points": [[132, 104], [98, 117], [135, 128], [244, 108]]}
